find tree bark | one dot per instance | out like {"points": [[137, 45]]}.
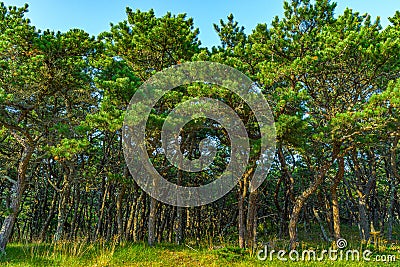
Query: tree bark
{"points": [[252, 221], [321, 225], [363, 220], [101, 212], [335, 201], [393, 177], [241, 212], [42, 235], [179, 217], [120, 221], [300, 200], [363, 191], [131, 217], [152, 221], [17, 192], [63, 203]]}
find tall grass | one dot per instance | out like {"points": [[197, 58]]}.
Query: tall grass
{"points": [[209, 252], [79, 252]]}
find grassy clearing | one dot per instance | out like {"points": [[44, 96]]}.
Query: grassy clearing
{"points": [[102, 253]]}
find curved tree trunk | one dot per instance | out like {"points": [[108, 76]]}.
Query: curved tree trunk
{"points": [[16, 196], [299, 203]]}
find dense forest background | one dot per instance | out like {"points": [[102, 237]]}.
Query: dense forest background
{"points": [[330, 80]]}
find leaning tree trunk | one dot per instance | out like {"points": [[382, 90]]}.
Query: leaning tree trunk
{"points": [[299, 203], [363, 193], [16, 196]]}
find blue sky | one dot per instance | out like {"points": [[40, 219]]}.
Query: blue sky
{"points": [[95, 16]]}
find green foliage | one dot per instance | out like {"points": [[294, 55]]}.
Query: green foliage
{"points": [[162, 41], [67, 148], [230, 34], [332, 83]]}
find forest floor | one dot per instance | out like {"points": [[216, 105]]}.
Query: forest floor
{"points": [[102, 253], [71, 254]]}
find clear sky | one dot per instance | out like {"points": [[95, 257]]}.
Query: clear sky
{"points": [[95, 16]]}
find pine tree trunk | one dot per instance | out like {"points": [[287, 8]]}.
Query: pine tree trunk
{"points": [[129, 223], [152, 221], [16, 197], [101, 215], [390, 211], [395, 174], [299, 203], [363, 224], [43, 232], [241, 219], [179, 226], [120, 221], [76, 203], [62, 206], [252, 221], [60, 219], [321, 225], [64, 200], [335, 201], [136, 221]]}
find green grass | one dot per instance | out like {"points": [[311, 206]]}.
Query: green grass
{"points": [[110, 254]]}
